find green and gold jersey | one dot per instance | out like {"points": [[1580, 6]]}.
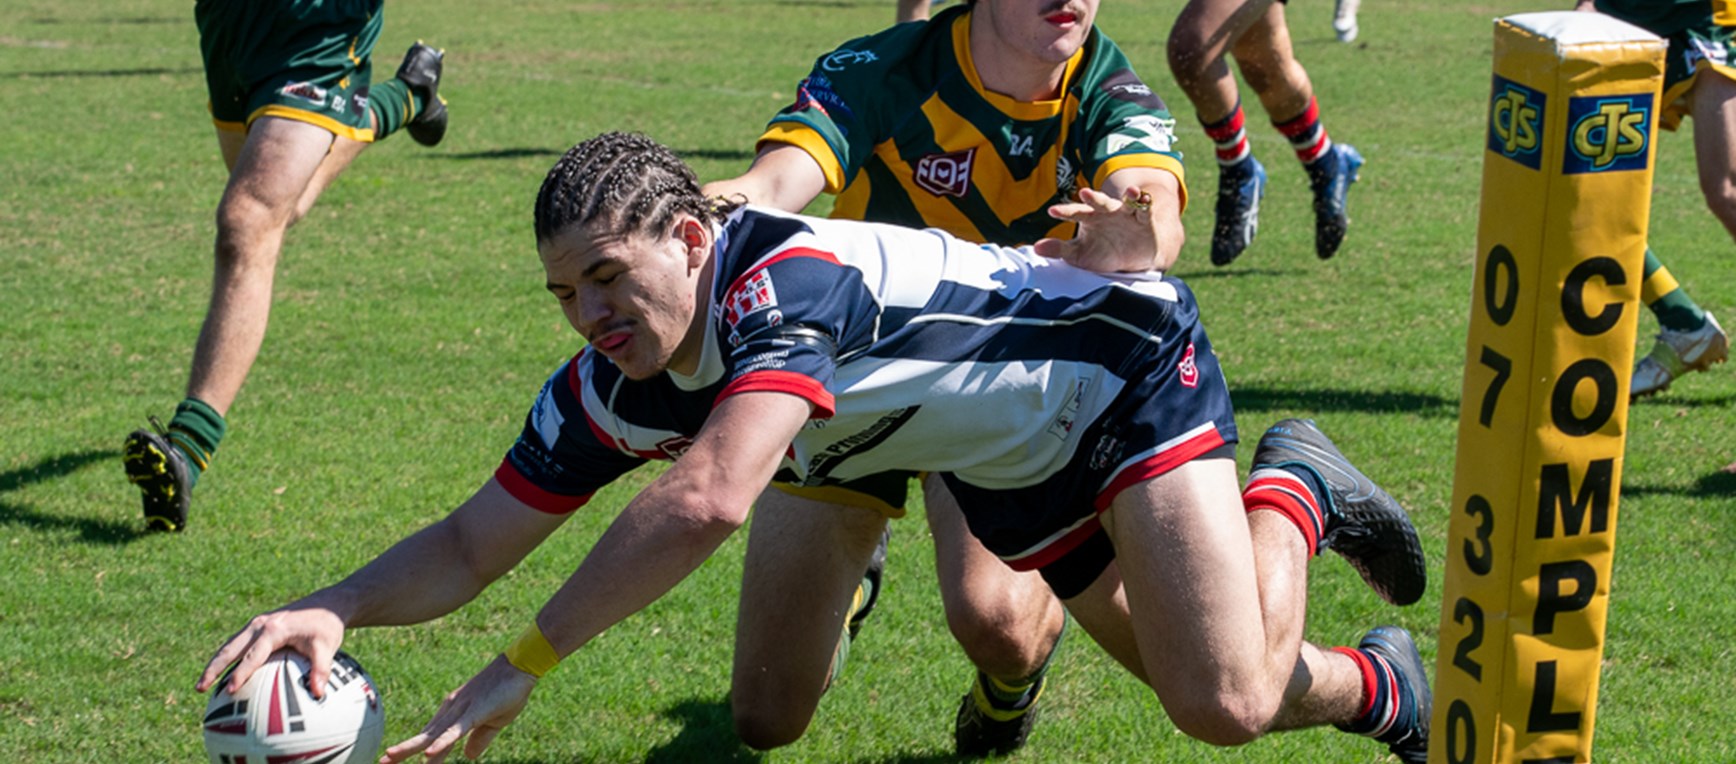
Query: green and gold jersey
{"points": [[906, 133], [1660, 17]]}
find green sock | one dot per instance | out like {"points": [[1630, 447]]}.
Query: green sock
{"points": [[393, 104], [1667, 299], [196, 429], [1014, 696]]}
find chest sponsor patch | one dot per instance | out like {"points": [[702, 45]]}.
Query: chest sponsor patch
{"points": [[946, 174]]}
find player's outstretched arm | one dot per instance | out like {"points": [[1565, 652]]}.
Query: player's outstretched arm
{"points": [[1134, 224], [662, 536], [783, 177], [423, 577]]}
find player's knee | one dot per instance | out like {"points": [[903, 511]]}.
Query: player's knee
{"points": [[763, 726], [1720, 196], [1227, 719], [1006, 640], [242, 220], [1188, 57]]}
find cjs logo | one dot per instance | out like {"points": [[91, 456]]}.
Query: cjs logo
{"points": [[1607, 133], [1515, 119]]}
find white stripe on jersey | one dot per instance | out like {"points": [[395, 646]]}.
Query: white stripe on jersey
{"points": [[1022, 420], [1022, 321]]}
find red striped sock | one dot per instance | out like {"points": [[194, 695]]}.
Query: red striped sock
{"points": [[1379, 692], [1283, 492], [1307, 136], [1229, 137]]}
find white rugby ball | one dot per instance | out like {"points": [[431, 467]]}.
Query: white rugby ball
{"points": [[275, 719]]}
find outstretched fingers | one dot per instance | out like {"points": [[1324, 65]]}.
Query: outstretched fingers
{"points": [[479, 710]]}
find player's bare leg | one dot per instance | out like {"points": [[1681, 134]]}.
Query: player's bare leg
{"points": [[1199, 42], [1217, 625], [1267, 61], [1009, 624], [804, 562], [912, 10], [1714, 110], [1689, 338], [276, 167]]}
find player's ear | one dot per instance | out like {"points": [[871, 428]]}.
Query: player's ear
{"points": [[696, 237]]}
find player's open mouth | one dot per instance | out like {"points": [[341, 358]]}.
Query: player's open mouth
{"points": [[1062, 18], [613, 340]]}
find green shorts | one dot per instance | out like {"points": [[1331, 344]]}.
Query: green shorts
{"points": [[306, 60], [1706, 50]]}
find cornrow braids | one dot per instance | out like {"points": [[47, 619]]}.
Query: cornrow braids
{"points": [[624, 182]]}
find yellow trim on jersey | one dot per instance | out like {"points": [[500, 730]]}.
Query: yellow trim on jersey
{"points": [[832, 494], [1155, 161], [805, 138], [365, 135], [1021, 110]]}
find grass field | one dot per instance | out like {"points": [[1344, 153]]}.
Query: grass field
{"points": [[410, 332]]}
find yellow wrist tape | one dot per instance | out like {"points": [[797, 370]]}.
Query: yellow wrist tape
{"points": [[532, 653]]}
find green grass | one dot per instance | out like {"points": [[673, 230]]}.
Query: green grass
{"points": [[410, 332]]}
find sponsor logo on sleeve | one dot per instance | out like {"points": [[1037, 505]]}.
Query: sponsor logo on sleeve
{"points": [[1147, 130], [816, 92], [751, 295], [1515, 122], [946, 174], [1607, 133], [1125, 85], [839, 60]]}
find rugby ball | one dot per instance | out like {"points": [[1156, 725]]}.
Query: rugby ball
{"points": [[273, 718]]}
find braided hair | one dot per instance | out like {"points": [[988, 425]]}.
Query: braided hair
{"points": [[624, 182]]}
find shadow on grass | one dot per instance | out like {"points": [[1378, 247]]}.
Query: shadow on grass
{"points": [[707, 734], [522, 152], [60, 73], [1246, 398], [130, 20], [1225, 273], [90, 530], [1721, 401], [1715, 484]]}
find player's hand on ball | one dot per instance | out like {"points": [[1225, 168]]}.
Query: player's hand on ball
{"points": [[312, 631], [1115, 235], [480, 709]]}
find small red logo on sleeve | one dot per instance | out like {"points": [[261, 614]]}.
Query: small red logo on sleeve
{"points": [[1187, 369]]}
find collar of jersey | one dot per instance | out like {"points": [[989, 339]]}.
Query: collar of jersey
{"points": [[710, 355], [1012, 107]]}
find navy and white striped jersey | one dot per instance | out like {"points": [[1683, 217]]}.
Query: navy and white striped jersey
{"points": [[918, 351]]}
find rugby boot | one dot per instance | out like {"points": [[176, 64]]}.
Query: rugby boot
{"points": [[1240, 188], [1363, 523], [1344, 19], [160, 471], [1330, 177], [1676, 353], [1404, 728], [421, 71]]}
